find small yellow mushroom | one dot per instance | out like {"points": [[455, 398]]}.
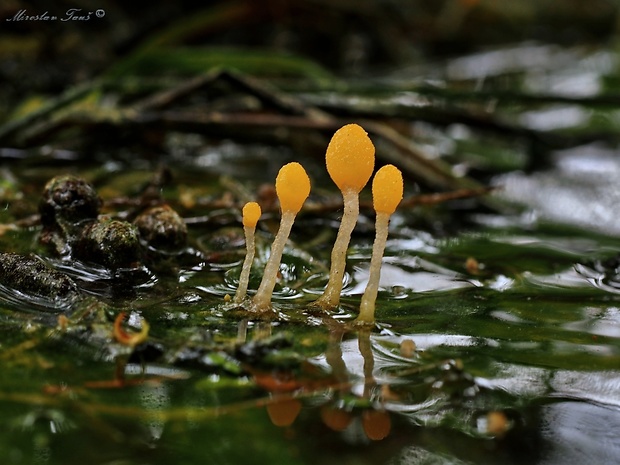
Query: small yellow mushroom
{"points": [[251, 214], [350, 160], [292, 189], [387, 192]]}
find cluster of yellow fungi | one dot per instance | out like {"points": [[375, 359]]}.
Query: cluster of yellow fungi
{"points": [[350, 160]]}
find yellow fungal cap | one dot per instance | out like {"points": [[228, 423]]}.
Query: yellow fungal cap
{"points": [[387, 189], [350, 158], [251, 214], [292, 187]]}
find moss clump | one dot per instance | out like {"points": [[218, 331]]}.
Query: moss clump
{"points": [[162, 229], [111, 243], [67, 204], [68, 199], [30, 276]]}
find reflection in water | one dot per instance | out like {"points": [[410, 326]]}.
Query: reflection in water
{"points": [[344, 409], [494, 423], [369, 363], [153, 397], [401, 394], [334, 418], [372, 377], [376, 423], [370, 380], [283, 411], [262, 330]]}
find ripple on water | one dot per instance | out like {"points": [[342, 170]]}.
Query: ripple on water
{"points": [[577, 276], [101, 281], [412, 273], [568, 278], [601, 387], [599, 320], [578, 432], [35, 303]]}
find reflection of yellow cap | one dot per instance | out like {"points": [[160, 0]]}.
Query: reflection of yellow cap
{"points": [[350, 158], [377, 424], [335, 419], [251, 214], [284, 412], [387, 189], [292, 187]]}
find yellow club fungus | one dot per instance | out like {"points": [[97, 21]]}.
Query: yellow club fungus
{"points": [[350, 160], [387, 192], [251, 214], [292, 189]]}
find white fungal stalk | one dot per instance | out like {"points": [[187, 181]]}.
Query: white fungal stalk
{"points": [[367, 306], [387, 192], [350, 159], [292, 188], [251, 214]]}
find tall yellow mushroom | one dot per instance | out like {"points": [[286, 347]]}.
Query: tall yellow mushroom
{"points": [[350, 160], [387, 192], [251, 214], [292, 189]]}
